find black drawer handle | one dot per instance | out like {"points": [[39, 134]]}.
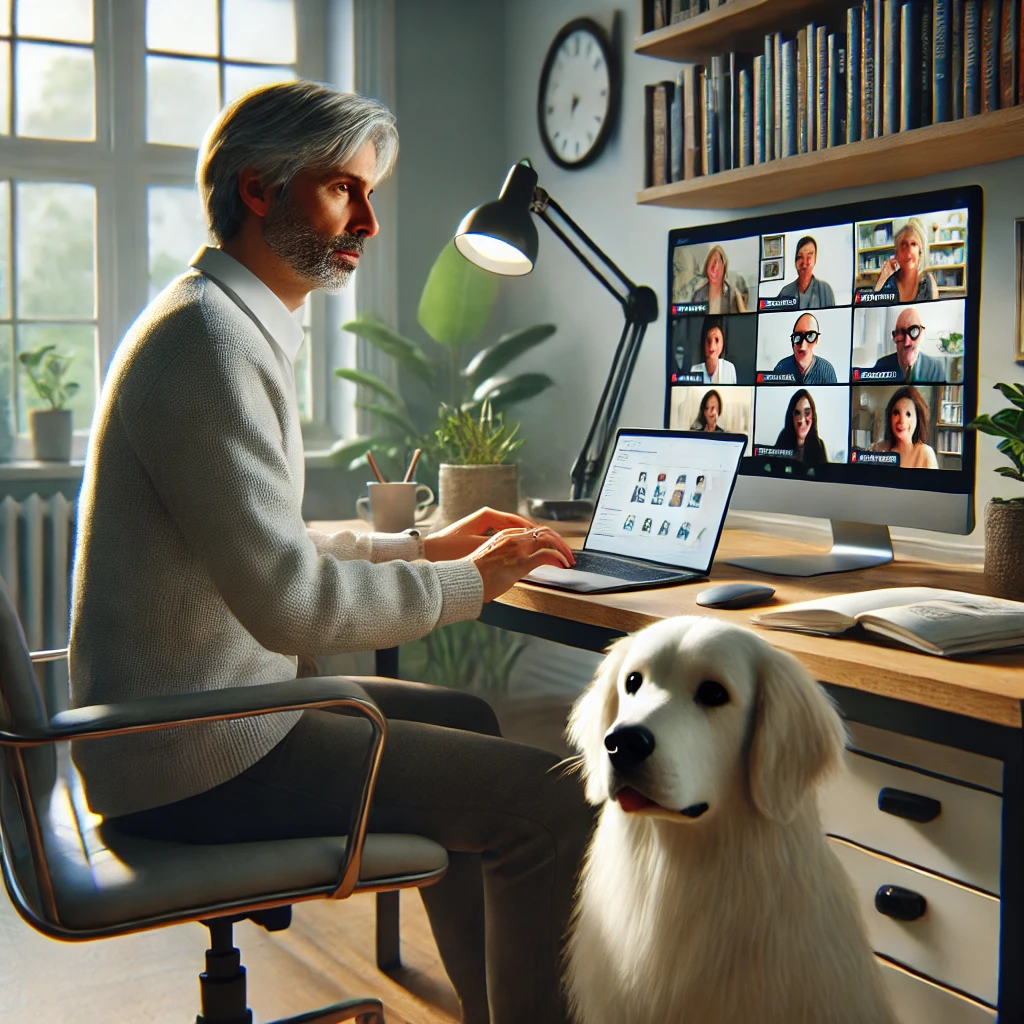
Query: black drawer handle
{"points": [[901, 904], [908, 805]]}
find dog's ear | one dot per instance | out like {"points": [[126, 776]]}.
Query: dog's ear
{"points": [[798, 736], [592, 716]]}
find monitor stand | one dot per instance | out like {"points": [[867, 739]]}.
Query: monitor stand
{"points": [[854, 546]]}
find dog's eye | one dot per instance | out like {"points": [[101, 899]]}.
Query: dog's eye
{"points": [[709, 693], [633, 681]]}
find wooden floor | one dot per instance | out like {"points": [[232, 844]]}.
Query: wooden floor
{"points": [[326, 955]]}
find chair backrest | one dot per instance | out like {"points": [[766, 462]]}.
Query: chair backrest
{"points": [[27, 776]]}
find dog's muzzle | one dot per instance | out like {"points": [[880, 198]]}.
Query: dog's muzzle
{"points": [[628, 745]]}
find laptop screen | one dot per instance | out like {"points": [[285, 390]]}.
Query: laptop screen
{"points": [[665, 495]]}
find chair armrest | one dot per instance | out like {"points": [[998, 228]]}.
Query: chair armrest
{"points": [[59, 654], [149, 713]]}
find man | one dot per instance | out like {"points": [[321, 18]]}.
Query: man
{"points": [[806, 367], [807, 289], [908, 360], [195, 571]]}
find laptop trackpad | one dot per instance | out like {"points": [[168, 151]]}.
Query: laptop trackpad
{"points": [[572, 579]]}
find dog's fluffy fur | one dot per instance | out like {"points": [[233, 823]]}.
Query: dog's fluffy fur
{"points": [[741, 914]]}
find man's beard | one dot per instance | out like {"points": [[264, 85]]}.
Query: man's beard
{"points": [[310, 253]]}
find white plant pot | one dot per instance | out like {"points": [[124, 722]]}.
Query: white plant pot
{"points": [[464, 489], [51, 434]]}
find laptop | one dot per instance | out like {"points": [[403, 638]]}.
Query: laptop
{"points": [[659, 515]]}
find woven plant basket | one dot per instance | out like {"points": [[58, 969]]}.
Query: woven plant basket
{"points": [[464, 489], [1004, 549]]}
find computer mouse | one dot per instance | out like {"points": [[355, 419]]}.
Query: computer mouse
{"points": [[735, 595]]}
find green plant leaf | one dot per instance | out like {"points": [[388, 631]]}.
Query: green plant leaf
{"points": [[347, 450], [502, 392], [1011, 420], [986, 425], [391, 343], [457, 299], [507, 348], [1014, 392], [34, 357], [371, 381], [1013, 473], [395, 417]]}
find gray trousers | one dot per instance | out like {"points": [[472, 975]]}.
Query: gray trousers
{"points": [[515, 830]]}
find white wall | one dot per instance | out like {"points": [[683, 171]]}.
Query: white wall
{"points": [[601, 198]]}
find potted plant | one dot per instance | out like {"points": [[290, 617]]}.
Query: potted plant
{"points": [[1004, 517], [472, 451], [50, 427]]}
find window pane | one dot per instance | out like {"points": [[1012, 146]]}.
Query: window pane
{"points": [[75, 340], [260, 30], [302, 377], [5, 250], [5, 89], [182, 26], [56, 19], [54, 92], [181, 100], [6, 393], [177, 229], [55, 234], [5, 17], [239, 79]]}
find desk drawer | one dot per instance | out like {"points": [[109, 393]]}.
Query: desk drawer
{"points": [[962, 841], [917, 1001], [955, 942]]}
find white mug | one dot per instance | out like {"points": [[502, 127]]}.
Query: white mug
{"points": [[394, 507]]}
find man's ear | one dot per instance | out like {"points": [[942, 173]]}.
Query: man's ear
{"points": [[798, 736], [252, 193], [592, 716]]}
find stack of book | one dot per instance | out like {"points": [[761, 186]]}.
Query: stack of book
{"points": [[659, 13], [894, 66]]}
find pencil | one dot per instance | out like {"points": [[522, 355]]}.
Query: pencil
{"points": [[412, 465], [373, 465]]}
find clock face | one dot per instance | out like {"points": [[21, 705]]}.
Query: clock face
{"points": [[578, 96]]}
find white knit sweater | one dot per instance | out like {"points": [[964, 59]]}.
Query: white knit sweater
{"points": [[194, 569]]}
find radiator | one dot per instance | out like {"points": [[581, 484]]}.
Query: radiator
{"points": [[36, 545]]}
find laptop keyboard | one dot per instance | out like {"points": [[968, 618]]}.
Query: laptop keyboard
{"points": [[589, 561]]}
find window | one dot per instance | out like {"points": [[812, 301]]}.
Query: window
{"points": [[103, 104]]}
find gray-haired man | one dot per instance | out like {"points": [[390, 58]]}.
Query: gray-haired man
{"points": [[195, 571]]}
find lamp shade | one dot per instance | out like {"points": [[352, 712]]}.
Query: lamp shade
{"points": [[501, 236]]}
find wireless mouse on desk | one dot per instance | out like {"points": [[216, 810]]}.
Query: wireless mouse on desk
{"points": [[735, 595]]}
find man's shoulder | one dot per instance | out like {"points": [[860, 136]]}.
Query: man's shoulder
{"points": [[787, 364], [931, 368], [888, 362], [789, 291]]}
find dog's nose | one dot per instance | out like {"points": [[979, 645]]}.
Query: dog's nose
{"points": [[628, 746]]}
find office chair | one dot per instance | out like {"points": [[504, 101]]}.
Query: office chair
{"points": [[74, 878]]}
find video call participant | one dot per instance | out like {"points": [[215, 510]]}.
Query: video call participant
{"points": [[911, 364], [717, 292], [807, 289], [805, 366], [904, 272], [906, 430], [710, 411], [716, 370], [800, 432]]}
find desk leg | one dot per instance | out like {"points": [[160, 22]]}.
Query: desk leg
{"points": [[389, 954]]}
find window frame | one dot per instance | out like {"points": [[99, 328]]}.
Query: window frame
{"points": [[120, 173]]}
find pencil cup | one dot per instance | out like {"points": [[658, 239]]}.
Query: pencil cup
{"points": [[394, 507]]}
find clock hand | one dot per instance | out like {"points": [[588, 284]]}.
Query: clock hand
{"points": [[575, 104]]}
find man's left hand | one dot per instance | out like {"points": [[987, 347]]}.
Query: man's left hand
{"points": [[462, 538]]}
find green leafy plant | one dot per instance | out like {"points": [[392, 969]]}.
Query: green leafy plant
{"points": [[1009, 425], [46, 369], [455, 306], [467, 438], [464, 655], [952, 343]]}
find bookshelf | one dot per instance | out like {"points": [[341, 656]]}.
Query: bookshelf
{"points": [[952, 145], [949, 421]]}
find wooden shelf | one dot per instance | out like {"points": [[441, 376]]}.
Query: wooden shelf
{"points": [[739, 25], [952, 145]]}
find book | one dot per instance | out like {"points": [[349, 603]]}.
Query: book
{"points": [[853, 63], [738, 63], [821, 86], [956, 56], [709, 125], [675, 132], [946, 623], [758, 111], [942, 100], [692, 120], [788, 106], [910, 71], [801, 90], [811, 87], [925, 62], [879, 63], [769, 99], [777, 90], [746, 120], [1008, 29], [1020, 53], [990, 47], [972, 57], [867, 69], [836, 78], [890, 71], [723, 124]]}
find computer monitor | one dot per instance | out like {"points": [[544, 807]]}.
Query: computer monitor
{"points": [[844, 342]]}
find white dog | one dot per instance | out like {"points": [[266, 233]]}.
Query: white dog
{"points": [[709, 894]]}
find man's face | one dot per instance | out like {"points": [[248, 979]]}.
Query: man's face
{"points": [[908, 323], [320, 225], [805, 341], [806, 256]]}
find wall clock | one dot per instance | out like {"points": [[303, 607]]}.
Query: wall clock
{"points": [[578, 99]]}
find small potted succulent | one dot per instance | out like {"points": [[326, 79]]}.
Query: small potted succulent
{"points": [[1004, 517], [50, 426], [473, 451]]}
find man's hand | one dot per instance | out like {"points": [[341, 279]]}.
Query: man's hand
{"points": [[463, 537], [510, 555]]}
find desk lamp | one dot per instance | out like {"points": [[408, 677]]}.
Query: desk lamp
{"points": [[500, 236]]}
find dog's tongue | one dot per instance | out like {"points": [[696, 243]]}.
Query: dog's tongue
{"points": [[631, 800]]}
